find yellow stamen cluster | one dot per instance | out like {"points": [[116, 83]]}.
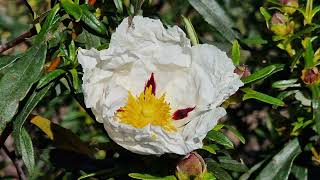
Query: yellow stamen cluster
{"points": [[146, 109]]}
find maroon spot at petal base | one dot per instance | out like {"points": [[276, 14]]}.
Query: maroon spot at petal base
{"points": [[181, 113], [151, 82]]}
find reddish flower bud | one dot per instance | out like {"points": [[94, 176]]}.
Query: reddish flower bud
{"points": [[91, 2], [280, 24], [242, 70], [289, 6], [310, 76], [191, 165]]}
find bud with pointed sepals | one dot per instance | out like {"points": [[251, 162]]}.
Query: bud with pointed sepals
{"points": [[310, 76], [242, 70], [191, 165], [289, 6], [280, 24]]}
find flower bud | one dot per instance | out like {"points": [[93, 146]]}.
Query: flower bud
{"points": [[280, 25], [191, 165], [289, 6], [242, 70], [310, 76]]}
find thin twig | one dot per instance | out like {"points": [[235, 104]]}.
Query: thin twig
{"points": [[25, 2], [18, 40], [14, 160]]}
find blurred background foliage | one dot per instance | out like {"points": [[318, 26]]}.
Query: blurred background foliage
{"points": [[241, 145]]}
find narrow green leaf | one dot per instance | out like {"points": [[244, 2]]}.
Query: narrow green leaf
{"points": [[214, 14], [190, 30], [254, 41], [27, 151], [72, 51], [251, 94], [18, 79], [247, 175], [50, 20], [211, 148], [233, 165], [119, 6], [72, 8], [263, 73], [296, 59], [308, 56], [219, 138], [24, 113], [236, 133], [235, 52], [90, 20], [283, 84], [50, 77], [75, 79], [280, 165], [217, 171], [149, 177], [266, 15], [299, 172]]}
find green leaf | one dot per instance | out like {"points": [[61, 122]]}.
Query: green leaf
{"points": [[24, 113], [75, 79], [263, 73], [27, 151], [50, 20], [190, 30], [214, 14], [211, 148], [90, 20], [280, 165], [300, 173], [251, 94], [266, 15], [7, 61], [50, 77], [119, 6], [235, 52], [247, 175], [283, 84], [149, 177], [219, 138], [18, 79], [254, 41], [88, 40], [217, 171], [236, 133], [72, 51], [72, 8], [233, 165], [308, 56]]}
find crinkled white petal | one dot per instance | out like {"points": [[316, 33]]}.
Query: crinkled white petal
{"points": [[200, 76]]}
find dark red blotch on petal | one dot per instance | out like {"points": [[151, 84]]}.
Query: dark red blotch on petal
{"points": [[182, 113], [151, 82]]}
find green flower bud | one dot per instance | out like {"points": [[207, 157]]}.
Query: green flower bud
{"points": [[280, 25], [289, 6]]}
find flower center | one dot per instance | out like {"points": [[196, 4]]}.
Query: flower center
{"points": [[146, 109]]}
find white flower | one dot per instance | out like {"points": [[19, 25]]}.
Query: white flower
{"points": [[153, 92]]}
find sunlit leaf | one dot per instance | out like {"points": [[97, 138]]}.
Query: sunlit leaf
{"points": [[150, 177], [263, 73], [214, 14], [251, 94], [235, 53], [280, 165], [219, 138], [190, 30]]}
